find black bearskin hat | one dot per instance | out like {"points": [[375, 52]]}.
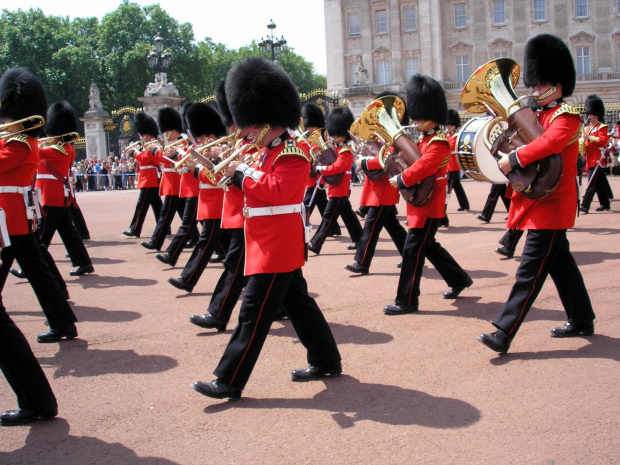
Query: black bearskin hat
{"points": [[169, 119], [184, 108], [222, 104], [405, 119], [595, 106], [202, 119], [339, 122], [21, 96], [453, 118], [61, 119], [260, 92], [312, 116], [549, 61], [145, 125], [426, 99]]}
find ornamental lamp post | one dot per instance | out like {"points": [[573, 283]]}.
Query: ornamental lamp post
{"points": [[271, 44], [159, 57]]}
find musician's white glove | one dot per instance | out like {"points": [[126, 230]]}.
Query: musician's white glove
{"points": [[320, 168], [394, 181]]}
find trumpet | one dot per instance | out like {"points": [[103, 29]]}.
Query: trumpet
{"points": [[181, 141], [37, 121], [67, 138], [138, 145], [196, 155]]}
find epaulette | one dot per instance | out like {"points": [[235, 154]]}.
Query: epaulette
{"points": [[291, 149], [565, 108], [439, 136], [19, 138], [60, 147]]}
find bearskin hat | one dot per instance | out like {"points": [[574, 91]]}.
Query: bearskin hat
{"points": [[549, 61], [21, 96], [595, 106], [169, 119], [339, 122], [184, 108], [202, 119], [145, 125], [426, 99], [405, 118], [260, 92], [61, 119], [312, 116], [453, 118], [222, 104]]}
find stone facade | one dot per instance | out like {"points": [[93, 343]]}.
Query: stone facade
{"points": [[449, 39]]}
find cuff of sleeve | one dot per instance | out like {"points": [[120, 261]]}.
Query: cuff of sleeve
{"points": [[514, 160], [364, 164], [399, 181]]}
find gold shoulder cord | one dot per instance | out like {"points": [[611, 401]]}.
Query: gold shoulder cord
{"points": [[291, 149], [566, 109], [19, 138], [60, 147], [440, 136]]}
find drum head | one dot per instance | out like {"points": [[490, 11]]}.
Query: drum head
{"points": [[474, 156]]}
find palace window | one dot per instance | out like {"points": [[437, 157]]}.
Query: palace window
{"points": [[462, 68], [354, 24], [412, 67], [583, 60], [383, 72], [382, 22], [410, 19], [581, 8], [540, 10], [499, 12], [460, 19]]}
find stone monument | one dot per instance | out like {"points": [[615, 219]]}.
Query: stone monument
{"points": [[159, 94], [94, 126]]}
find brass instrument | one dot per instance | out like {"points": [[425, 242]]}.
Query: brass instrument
{"points": [[67, 138], [176, 143], [196, 155], [36, 119], [138, 145]]}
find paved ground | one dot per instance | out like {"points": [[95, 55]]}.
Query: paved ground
{"points": [[416, 388]]}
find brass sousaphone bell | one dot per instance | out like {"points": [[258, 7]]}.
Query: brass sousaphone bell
{"points": [[491, 90], [380, 121]]}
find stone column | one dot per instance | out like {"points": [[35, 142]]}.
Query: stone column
{"points": [[160, 94], [94, 126]]}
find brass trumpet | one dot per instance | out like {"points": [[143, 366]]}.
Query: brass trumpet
{"points": [[36, 119], [195, 156], [67, 138]]}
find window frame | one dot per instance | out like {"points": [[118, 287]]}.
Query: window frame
{"points": [[415, 67], [464, 16], [579, 6], [387, 24], [415, 18], [381, 73], [496, 3], [359, 25], [463, 66], [581, 59], [535, 10]]}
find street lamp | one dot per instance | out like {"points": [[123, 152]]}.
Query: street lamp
{"points": [[271, 43], [159, 57]]}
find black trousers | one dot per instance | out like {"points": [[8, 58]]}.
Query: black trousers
{"points": [[172, 204], [376, 219], [454, 184], [265, 295], [497, 191], [419, 246], [337, 206], [320, 201], [20, 367], [186, 231], [29, 254], [79, 222], [148, 197], [59, 219], [546, 252], [598, 185], [207, 243], [232, 281], [511, 238]]}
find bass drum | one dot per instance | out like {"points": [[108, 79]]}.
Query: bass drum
{"points": [[474, 156]]}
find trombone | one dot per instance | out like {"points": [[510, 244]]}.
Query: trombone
{"points": [[37, 121], [68, 138]]}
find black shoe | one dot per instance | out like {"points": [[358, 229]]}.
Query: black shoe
{"points": [[281, 315], [571, 329], [87, 238], [65, 293], [602, 209], [313, 372], [217, 259], [352, 246], [149, 245], [180, 283], [456, 291], [362, 215], [498, 341], [357, 268], [22, 416], [583, 210], [82, 270], [55, 335], [217, 389], [399, 309], [17, 273], [191, 244], [482, 218], [506, 252], [208, 321], [165, 258], [313, 249], [462, 209], [445, 222], [131, 233], [399, 265]]}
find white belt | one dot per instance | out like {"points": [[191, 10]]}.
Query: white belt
{"points": [[47, 176], [439, 179], [203, 185], [273, 210], [149, 167], [14, 189], [169, 170]]}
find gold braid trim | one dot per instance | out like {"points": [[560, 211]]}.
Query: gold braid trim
{"points": [[19, 138], [291, 149], [60, 148], [440, 136], [565, 108]]}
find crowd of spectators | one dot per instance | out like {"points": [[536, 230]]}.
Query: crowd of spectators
{"points": [[113, 173]]}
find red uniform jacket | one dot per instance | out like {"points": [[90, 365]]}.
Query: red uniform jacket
{"points": [[170, 179], [558, 210], [19, 160], [54, 161], [596, 137], [276, 244], [148, 167], [311, 181], [343, 164], [210, 199], [435, 150], [232, 210], [189, 185], [381, 192], [453, 165]]}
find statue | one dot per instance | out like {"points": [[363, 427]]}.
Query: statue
{"points": [[93, 97], [161, 86], [361, 75]]}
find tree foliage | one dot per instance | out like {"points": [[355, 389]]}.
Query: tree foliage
{"points": [[68, 55]]}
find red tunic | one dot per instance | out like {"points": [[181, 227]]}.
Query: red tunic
{"points": [[19, 159], [189, 185], [148, 166], [276, 244], [343, 164], [435, 150], [210, 199], [453, 164], [596, 137], [232, 210], [54, 161], [381, 192], [558, 210], [170, 179]]}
